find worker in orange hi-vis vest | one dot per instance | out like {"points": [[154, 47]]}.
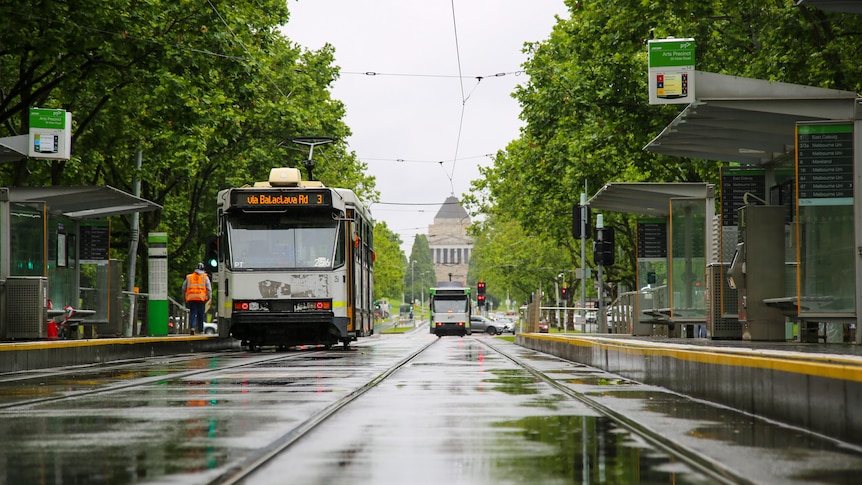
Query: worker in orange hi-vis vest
{"points": [[198, 291]]}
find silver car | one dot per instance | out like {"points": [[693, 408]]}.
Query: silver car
{"points": [[481, 324], [506, 325]]}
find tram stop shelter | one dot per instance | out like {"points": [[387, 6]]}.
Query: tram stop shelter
{"points": [[787, 208], [54, 253]]}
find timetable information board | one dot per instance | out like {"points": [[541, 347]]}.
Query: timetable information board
{"points": [[735, 184], [824, 163], [652, 239]]}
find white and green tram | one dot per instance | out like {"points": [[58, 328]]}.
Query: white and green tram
{"points": [[295, 263]]}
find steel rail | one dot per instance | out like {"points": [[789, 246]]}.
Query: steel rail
{"points": [[259, 459], [143, 381], [701, 464]]}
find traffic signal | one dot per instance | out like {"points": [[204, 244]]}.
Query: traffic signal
{"points": [[603, 248], [564, 292], [211, 254], [577, 215], [480, 293]]}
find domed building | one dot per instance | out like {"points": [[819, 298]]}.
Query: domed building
{"points": [[449, 243]]}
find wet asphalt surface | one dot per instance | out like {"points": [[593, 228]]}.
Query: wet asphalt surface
{"points": [[459, 413]]}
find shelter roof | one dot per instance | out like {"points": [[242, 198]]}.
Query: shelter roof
{"points": [[746, 120], [13, 148], [86, 202], [648, 198]]}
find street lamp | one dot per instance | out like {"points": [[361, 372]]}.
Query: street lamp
{"points": [[412, 285]]}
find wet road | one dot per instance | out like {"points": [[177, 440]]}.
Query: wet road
{"points": [[463, 411]]}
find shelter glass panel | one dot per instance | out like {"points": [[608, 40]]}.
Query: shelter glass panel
{"points": [[688, 258], [652, 281], [27, 234], [826, 259], [62, 289]]}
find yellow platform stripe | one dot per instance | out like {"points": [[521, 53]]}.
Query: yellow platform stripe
{"points": [[835, 366]]}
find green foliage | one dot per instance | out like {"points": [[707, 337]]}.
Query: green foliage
{"points": [[210, 94], [421, 276], [388, 268], [587, 117]]}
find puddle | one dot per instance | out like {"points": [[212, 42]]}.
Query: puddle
{"points": [[97, 449], [584, 449], [514, 382], [602, 381]]}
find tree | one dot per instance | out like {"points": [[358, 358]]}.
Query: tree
{"points": [[388, 268], [421, 276], [586, 110], [210, 95]]}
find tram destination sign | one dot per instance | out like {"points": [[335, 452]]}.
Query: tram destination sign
{"points": [[824, 163], [266, 199]]}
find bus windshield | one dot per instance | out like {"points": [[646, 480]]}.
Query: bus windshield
{"points": [[449, 306], [265, 241]]}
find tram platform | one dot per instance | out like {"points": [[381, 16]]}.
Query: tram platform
{"points": [[813, 386], [42, 354]]}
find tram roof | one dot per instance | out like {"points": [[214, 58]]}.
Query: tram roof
{"points": [[82, 202], [745, 120]]}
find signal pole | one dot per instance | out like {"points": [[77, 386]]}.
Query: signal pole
{"points": [[601, 314]]}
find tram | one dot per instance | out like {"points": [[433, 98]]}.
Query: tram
{"points": [[295, 263], [450, 310]]}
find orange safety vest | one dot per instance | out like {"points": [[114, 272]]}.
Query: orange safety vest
{"points": [[197, 287]]}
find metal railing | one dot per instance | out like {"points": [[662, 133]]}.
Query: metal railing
{"points": [[136, 315]]}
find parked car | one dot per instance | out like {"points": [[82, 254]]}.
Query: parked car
{"points": [[543, 326], [507, 325], [480, 324]]}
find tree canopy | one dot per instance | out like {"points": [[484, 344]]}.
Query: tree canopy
{"points": [[587, 117], [210, 94]]}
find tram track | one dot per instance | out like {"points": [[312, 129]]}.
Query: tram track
{"points": [[78, 373], [264, 455], [710, 468]]}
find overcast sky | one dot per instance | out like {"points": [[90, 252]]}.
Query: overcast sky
{"points": [[407, 118]]}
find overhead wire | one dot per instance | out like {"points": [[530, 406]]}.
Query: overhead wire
{"points": [[449, 76], [463, 99], [247, 51]]}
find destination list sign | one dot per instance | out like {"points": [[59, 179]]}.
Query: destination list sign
{"points": [[824, 163], [652, 239], [94, 243], [735, 183]]}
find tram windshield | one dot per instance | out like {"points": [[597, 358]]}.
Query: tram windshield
{"points": [[264, 241], [449, 306]]}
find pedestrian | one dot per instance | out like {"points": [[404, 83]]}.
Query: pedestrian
{"points": [[198, 291]]}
